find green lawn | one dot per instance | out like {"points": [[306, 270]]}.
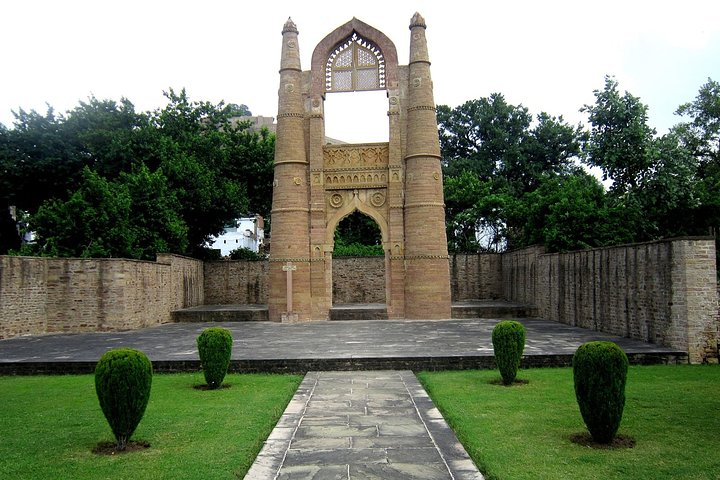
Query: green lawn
{"points": [[50, 424], [523, 431]]}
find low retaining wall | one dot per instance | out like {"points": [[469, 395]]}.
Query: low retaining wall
{"points": [[662, 292], [49, 295]]}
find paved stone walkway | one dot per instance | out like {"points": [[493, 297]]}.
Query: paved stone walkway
{"points": [[362, 425]]}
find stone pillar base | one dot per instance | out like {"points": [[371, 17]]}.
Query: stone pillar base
{"points": [[289, 317]]}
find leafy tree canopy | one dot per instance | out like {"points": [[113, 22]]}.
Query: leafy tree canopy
{"points": [[105, 180]]}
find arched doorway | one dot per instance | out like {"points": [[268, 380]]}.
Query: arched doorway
{"points": [[358, 261], [397, 183]]}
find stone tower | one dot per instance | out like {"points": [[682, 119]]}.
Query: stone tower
{"points": [[398, 183]]}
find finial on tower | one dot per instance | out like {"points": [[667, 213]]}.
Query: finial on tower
{"points": [[289, 26], [417, 21]]}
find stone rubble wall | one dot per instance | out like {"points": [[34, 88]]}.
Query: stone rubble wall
{"points": [[661, 292], [476, 277], [358, 280], [355, 280], [40, 295], [232, 282]]}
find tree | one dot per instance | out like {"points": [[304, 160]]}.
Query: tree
{"points": [[493, 155], [358, 235], [620, 138], [655, 179], [570, 212], [701, 135], [475, 213], [93, 222], [187, 168]]}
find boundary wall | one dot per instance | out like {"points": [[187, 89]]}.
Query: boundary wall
{"points": [[41, 295], [662, 292]]}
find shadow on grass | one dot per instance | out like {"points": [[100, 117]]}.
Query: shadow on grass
{"points": [[516, 382], [619, 442], [110, 448], [206, 387]]}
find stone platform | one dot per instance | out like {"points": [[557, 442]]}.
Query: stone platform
{"points": [[350, 311], [320, 346]]}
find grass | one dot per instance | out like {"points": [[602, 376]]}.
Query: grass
{"points": [[523, 431], [50, 424]]}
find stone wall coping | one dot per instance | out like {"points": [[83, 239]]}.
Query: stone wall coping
{"points": [[692, 238]]}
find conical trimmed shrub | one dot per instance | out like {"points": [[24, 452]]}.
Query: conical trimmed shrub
{"points": [[123, 378], [508, 338], [215, 347], [599, 373]]}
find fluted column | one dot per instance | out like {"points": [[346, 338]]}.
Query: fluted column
{"points": [[290, 240], [427, 278]]}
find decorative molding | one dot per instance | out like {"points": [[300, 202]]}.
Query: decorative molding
{"points": [[290, 115], [426, 257], [421, 107], [290, 259], [352, 169], [297, 162], [425, 204], [289, 209], [433, 156]]}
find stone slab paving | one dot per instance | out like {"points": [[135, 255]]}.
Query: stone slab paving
{"points": [[362, 425], [314, 340]]}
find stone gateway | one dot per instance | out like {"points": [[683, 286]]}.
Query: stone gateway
{"points": [[398, 184]]}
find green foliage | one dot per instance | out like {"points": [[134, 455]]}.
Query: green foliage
{"points": [[123, 378], [523, 433], [357, 235], [493, 155], [49, 435], [599, 375], [620, 137], [243, 253], [9, 238], [161, 181], [357, 250], [508, 338], [215, 347]]}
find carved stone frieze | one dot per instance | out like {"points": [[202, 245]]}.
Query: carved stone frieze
{"points": [[338, 157], [355, 166]]}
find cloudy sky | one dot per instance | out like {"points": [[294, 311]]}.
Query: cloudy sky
{"points": [[546, 55]]}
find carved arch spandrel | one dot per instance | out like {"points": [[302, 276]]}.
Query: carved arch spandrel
{"points": [[353, 203], [324, 49]]}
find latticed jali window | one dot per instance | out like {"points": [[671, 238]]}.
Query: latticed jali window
{"points": [[355, 64]]}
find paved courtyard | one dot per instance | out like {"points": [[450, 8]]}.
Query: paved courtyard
{"points": [[348, 345]]}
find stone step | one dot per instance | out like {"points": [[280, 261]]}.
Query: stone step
{"points": [[492, 309], [359, 311], [222, 313], [350, 311]]}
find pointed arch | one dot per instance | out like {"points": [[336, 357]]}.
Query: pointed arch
{"points": [[350, 208], [375, 42]]}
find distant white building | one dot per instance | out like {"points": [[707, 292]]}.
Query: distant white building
{"points": [[246, 232]]}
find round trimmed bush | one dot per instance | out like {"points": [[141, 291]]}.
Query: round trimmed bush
{"points": [[508, 338], [214, 347], [123, 378], [599, 374]]}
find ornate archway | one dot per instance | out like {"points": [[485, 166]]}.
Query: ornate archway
{"points": [[398, 183]]}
